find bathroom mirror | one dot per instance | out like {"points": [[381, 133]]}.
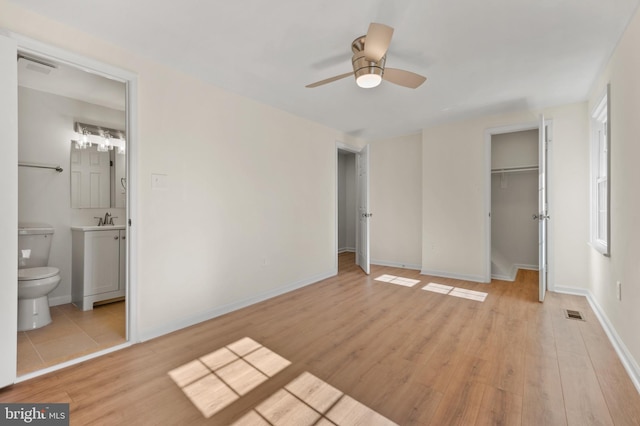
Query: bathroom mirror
{"points": [[98, 179]]}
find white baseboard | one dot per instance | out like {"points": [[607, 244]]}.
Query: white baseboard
{"points": [[528, 267], [346, 250], [501, 277], [225, 309], [464, 277], [395, 264], [625, 356], [59, 300], [514, 272]]}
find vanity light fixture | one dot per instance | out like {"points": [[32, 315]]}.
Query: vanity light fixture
{"points": [[106, 144], [104, 138], [83, 140]]}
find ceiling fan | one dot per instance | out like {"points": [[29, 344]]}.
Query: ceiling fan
{"points": [[369, 57]]}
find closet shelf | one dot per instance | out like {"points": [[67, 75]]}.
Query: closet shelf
{"points": [[515, 169]]}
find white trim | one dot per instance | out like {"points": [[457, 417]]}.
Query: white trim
{"points": [[131, 271], [514, 272], [627, 359], [347, 250], [413, 266], [44, 50], [340, 146], [464, 277], [488, 133], [222, 310], [601, 112]]}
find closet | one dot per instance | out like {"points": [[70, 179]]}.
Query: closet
{"points": [[514, 202], [347, 198]]}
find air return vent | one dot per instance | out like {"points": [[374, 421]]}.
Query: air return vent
{"points": [[576, 315]]}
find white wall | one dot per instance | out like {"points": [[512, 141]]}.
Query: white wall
{"points": [[622, 72], [9, 210], [454, 216], [249, 210], [395, 201], [514, 149], [46, 124], [514, 199], [347, 200]]}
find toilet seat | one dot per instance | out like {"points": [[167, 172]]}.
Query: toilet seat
{"points": [[39, 273]]}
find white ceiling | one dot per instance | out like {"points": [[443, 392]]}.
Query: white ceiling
{"points": [[479, 57]]}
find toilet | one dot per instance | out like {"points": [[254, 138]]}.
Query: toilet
{"points": [[35, 278]]}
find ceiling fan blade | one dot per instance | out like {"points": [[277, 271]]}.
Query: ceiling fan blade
{"points": [[377, 41], [329, 80], [403, 78]]}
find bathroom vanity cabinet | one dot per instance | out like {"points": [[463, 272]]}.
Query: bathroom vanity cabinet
{"points": [[98, 264]]}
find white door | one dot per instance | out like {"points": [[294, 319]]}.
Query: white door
{"points": [[362, 231], [9, 211], [90, 175], [543, 209]]}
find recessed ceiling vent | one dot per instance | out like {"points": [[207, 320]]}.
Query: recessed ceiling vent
{"points": [[576, 315], [37, 65]]}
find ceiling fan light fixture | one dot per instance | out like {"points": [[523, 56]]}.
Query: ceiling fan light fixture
{"points": [[369, 57], [368, 73], [368, 81]]}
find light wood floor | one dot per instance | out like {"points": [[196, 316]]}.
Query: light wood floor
{"points": [[416, 357], [71, 334]]}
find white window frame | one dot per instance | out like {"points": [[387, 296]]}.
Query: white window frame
{"points": [[600, 175]]}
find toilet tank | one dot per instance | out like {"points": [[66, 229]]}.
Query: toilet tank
{"points": [[34, 243]]}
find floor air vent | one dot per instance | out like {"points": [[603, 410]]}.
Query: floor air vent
{"points": [[577, 315]]}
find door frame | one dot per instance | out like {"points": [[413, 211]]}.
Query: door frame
{"points": [[488, 133], [46, 51], [341, 146]]}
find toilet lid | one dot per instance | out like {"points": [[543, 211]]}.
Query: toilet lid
{"points": [[29, 274]]}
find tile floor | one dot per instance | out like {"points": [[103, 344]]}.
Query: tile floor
{"points": [[71, 334]]}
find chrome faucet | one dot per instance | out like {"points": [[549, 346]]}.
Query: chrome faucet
{"points": [[107, 220]]}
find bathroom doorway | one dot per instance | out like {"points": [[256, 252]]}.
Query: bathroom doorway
{"points": [[63, 102]]}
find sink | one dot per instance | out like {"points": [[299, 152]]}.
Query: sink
{"points": [[97, 228]]}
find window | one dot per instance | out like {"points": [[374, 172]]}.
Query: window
{"points": [[600, 128]]}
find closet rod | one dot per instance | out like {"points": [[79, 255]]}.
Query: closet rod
{"points": [[515, 169], [41, 166]]}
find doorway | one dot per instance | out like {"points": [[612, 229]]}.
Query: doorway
{"points": [[347, 202], [514, 202], [352, 206], [58, 106], [53, 59], [512, 169]]}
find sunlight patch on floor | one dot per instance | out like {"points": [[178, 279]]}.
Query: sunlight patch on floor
{"points": [[307, 400], [456, 292], [217, 379], [407, 282]]}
